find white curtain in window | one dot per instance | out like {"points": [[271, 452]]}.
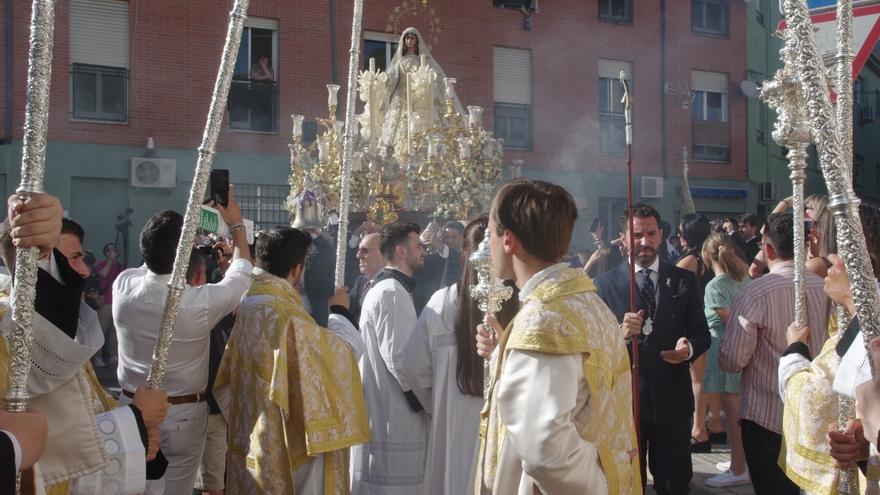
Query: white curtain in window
{"points": [[99, 32], [513, 75], [611, 69], [712, 82]]}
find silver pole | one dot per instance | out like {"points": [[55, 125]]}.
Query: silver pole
{"points": [[203, 169], [349, 143], [33, 168], [848, 480], [842, 200]]}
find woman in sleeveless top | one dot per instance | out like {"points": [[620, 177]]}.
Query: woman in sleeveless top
{"points": [[693, 231]]}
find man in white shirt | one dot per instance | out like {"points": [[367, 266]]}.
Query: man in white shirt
{"points": [[138, 305], [393, 462]]}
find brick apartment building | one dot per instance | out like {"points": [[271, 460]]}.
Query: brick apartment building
{"points": [[124, 71]]}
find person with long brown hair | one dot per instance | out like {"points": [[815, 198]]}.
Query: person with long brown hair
{"points": [[731, 274], [446, 374]]}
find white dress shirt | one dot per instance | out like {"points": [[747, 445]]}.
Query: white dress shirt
{"points": [[138, 304]]}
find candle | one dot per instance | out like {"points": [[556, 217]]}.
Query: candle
{"points": [[475, 117], [297, 126], [490, 147], [323, 148], [450, 86], [372, 64], [431, 79], [408, 116], [332, 93], [423, 60], [337, 127], [464, 149]]}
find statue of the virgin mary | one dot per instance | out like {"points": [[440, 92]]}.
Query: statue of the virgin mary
{"points": [[407, 59]]}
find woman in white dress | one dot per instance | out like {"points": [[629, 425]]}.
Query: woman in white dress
{"points": [[407, 59], [446, 375]]}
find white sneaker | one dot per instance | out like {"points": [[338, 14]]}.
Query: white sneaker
{"points": [[723, 466], [727, 478]]}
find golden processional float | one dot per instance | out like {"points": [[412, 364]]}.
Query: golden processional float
{"points": [[801, 94], [447, 166]]}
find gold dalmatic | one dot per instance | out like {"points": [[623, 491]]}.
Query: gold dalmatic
{"points": [[290, 391], [563, 315]]}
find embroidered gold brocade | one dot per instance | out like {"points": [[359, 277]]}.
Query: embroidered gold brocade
{"points": [[294, 392], [563, 316]]}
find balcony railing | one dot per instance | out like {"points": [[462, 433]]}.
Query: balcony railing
{"points": [[253, 105]]}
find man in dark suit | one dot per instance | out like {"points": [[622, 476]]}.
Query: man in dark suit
{"points": [[750, 232], [442, 268], [672, 332], [318, 278]]}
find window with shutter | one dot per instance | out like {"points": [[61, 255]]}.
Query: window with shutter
{"points": [[513, 96], [99, 56]]}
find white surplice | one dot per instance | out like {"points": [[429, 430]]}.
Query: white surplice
{"points": [[95, 452], [429, 365], [393, 462]]}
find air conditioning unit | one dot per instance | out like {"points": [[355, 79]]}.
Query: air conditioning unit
{"points": [[768, 191], [651, 187], [867, 114], [154, 172]]}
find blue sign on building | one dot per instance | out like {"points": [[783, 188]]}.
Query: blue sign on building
{"points": [[821, 4]]}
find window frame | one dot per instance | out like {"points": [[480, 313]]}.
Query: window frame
{"points": [[702, 30], [389, 39], [627, 18], [500, 109], [725, 106], [608, 115], [237, 125], [99, 115]]}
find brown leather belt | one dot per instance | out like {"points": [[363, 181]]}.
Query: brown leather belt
{"points": [[180, 399]]}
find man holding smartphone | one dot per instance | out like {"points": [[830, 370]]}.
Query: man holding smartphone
{"points": [[138, 306]]}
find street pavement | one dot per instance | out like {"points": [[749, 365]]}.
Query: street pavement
{"points": [[704, 464]]}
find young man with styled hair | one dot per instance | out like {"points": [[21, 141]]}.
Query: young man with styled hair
{"points": [[289, 389], [559, 414], [393, 462]]}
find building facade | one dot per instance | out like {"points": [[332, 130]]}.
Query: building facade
{"points": [[768, 167], [126, 71]]}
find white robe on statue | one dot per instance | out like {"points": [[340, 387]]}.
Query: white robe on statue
{"points": [[393, 462], [429, 364]]}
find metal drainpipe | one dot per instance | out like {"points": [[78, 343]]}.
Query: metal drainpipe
{"points": [[664, 132], [7, 117]]}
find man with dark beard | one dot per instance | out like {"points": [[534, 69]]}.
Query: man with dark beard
{"points": [[672, 332]]}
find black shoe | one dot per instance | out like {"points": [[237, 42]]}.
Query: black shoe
{"points": [[704, 447], [718, 438]]}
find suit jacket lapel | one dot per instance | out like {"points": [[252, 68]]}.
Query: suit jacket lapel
{"points": [[664, 298]]}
